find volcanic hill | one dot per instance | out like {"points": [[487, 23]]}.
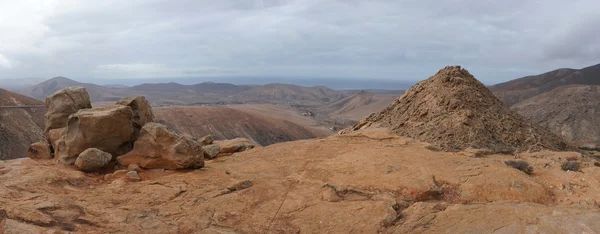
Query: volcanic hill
{"points": [[454, 111]]}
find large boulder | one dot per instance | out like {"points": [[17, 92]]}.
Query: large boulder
{"points": [[142, 112], [39, 150], [92, 159], [108, 129], [159, 147], [62, 103], [54, 135]]}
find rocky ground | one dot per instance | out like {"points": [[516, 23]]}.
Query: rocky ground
{"points": [[368, 181]]}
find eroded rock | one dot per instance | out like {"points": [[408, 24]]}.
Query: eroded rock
{"points": [[108, 129], [159, 147], [142, 112], [235, 145], [211, 151], [61, 104], [39, 150]]}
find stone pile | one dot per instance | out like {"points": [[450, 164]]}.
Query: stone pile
{"points": [[93, 138]]}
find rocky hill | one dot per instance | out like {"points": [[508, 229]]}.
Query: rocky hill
{"points": [[572, 112], [21, 123], [229, 123], [515, 91], [454, 111]]}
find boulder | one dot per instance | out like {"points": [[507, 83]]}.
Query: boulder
{"points": [[159, 147], [62, 103], [92, 159], [142, 112], [235, 145], [207, 140], [211, 151], [108, 129], [39, 150]]}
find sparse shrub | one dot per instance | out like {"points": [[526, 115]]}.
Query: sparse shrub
{"points": [[521, 166], [570, 166], [589, 149]]}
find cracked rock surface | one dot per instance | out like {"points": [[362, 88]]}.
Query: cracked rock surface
{"points": [[368, 181]]}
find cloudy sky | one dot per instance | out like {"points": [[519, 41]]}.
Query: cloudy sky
{"points": [[389, 39]]}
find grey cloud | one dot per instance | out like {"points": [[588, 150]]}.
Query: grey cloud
{"points": [[392, 39]]}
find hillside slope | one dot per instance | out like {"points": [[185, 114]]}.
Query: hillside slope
{"points": [[572, 112], [358, 105], [19, 127], [515, 91], [287, 93], [228, 123]]}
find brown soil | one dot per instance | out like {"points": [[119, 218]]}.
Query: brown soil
{"points": [[369, 181], [454, 111]]}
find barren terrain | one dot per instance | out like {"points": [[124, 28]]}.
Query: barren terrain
{"points": [[366, 182]]}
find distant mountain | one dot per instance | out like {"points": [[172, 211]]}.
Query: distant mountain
{"points": [[97, 92], [515, 91], [19, 127], [571, 111], [358, 105], [291, 93]]}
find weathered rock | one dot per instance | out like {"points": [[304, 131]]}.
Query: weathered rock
{"points": [[206, 140], [235, 145], [62, 103], [133, 176], [159, 147], [39, 150], [142, 112], [211, 151], [108, 129], [54, 135], [92, 159]]}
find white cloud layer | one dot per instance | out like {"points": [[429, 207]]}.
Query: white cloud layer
{"points": [[393, 39]]}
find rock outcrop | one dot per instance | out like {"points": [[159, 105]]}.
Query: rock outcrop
{"points": [[159, 147], [142, 112], [454, 111], [61, 104], [234, 145], [39, 150], [108, 129], [92, 159]]}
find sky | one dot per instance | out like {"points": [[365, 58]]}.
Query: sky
{"points": [[358, 39]]}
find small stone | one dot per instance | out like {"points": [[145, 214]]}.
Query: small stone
{"points": [[119, 174], [134, 167], [211, 151], [133, 176], [92, 159]]}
